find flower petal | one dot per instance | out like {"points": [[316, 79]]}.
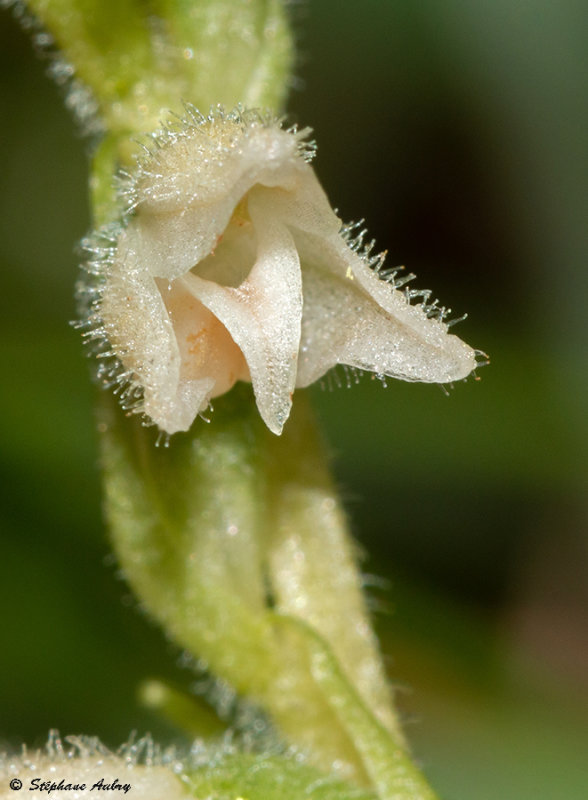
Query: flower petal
{"points": [[353, 317], [138, 327], [263, 314], [187, 191]]}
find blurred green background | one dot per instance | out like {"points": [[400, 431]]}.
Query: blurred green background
{"points": [[459, 131]]}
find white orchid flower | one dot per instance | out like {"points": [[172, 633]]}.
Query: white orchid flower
{"points": [[233, 266]]}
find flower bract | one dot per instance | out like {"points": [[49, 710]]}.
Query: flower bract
{"points": [[231, 265]]}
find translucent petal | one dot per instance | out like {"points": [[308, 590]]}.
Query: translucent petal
{"points": [[305, 206], [139, 329], [359, 320], [263, 315], [187, 196]]}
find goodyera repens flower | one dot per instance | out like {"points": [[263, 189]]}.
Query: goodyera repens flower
{"points": [[232, 265]]}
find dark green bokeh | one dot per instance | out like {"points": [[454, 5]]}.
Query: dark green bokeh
{"points": [[459, 132]]}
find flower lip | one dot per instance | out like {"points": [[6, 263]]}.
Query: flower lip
{"points": [[233, 266]]}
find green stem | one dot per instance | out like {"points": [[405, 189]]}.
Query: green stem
{"points": [[228, 533]]}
